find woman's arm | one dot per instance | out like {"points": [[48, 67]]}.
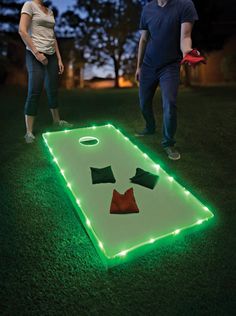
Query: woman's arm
{"points": [[60, 63], [24, 25]]}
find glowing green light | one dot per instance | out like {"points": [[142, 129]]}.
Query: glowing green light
{"points": [[200, 221], [177, 231], [88, 222], [114, 253], [47, 133]]}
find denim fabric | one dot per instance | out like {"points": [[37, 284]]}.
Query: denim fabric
{"points": [[168, 79], [38, 75]]}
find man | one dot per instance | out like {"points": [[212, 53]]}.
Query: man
{"points": [[166, 37]]}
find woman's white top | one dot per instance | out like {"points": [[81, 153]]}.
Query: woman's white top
{"points": [[41, 28]]}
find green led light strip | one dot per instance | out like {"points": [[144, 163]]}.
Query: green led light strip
{"points": [[89, 225], [76, 198]]}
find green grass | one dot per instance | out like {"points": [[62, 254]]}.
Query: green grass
{"points": [[48, 266]]}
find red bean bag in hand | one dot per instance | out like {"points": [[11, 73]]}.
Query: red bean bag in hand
{"points": [[193, 58], [123, 203]]}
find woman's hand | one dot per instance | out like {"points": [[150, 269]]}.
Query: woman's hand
{"points": [[41, 58], [61, 67], [137, 74]]}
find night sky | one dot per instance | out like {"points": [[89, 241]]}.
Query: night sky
{"points": [[91, 71], [62, 4]]}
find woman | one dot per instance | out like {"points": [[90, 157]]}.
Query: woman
{"points": [[43, 61]]}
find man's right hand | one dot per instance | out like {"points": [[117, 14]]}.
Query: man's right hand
{"points": [[137, 74], [193, 58], [41, 58]]}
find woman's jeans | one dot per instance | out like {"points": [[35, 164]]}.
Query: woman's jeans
{"points": [[38, 74], [168, 79]]}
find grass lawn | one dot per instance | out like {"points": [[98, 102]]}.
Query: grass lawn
{"points": [[48, 265]]}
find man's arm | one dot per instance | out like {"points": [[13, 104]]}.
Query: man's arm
{"points": [[185, 38], [141, 50]]}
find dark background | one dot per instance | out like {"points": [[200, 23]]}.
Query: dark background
{"points": [[48, 265]]}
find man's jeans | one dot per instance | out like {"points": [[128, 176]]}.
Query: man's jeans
{"points": [[37, 75], [168, 79]]}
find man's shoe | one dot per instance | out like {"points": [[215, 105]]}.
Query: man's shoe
{"points": [[172, 153], [144, 132], [29, 138], [63, 124]]}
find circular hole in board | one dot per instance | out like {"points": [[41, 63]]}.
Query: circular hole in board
{"points": [[88, 141]]}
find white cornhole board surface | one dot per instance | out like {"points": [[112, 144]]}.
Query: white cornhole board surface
{"points": [[165, 210]]}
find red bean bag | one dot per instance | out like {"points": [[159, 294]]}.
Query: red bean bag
{"points": [[193, 58], [123, 203]]}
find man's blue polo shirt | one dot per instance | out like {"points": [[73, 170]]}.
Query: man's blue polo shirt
{"points": [[164, 26]]}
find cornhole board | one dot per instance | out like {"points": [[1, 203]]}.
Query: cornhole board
{"points": [[164, 211]]}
